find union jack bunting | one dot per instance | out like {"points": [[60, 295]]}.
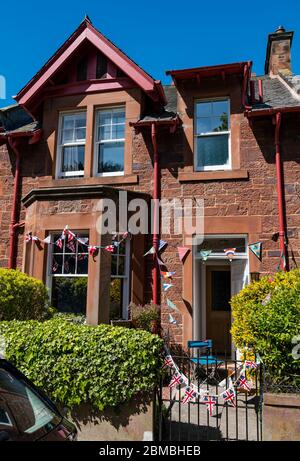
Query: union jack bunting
{"points": [[249, 365], [59, 243], [71, 246], [71, 236], [210, 401], [28, 238], [110, 248], [244, 383], [168, 362], [93, 250], [189, 394], [176, 380], [229, 396]]}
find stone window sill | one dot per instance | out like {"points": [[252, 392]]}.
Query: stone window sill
{"points": [[105, 180], [212, 175]]}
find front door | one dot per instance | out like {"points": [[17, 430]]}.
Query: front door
{"points": [[218, 313]]}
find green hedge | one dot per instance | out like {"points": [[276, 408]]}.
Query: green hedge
{"points": [[22, 297], [267, 317], [73, 363]]}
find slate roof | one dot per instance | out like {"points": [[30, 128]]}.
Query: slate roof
{"points": [[170, 110], [14, 119], [276, 94]]}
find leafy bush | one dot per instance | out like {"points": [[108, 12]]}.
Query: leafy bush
{"points": [[143, 316], [22, 297], [69, 317], [100, 365], [267, 317]]}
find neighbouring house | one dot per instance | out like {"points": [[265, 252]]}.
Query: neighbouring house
{"points": [[92, 123]]}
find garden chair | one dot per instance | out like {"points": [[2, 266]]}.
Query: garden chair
{"points": [[206, 365]]}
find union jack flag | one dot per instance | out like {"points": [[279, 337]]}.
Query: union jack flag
{"points": [[243, 382], [168, 362], [71, 246], [229, 396], [249, 365], [176, 380], [189, 394], [210, 401]]}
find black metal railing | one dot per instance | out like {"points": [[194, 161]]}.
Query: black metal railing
{"points": [[178, 421]]}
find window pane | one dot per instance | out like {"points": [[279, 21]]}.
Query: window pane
{"points": [[118, 132], [73, 158], [69, 294], [217, 245], [121, 267], [203, 125], [111, 157], [220, 107], [104, 132], [118, 116], [212, 151], [80, 134], [104, 117], [82, 264], [203, 109], [114, 267], [70, 264], [68, 122], [80, 121], [67, 136], [116, 300], [57, 262], [219, 123]]}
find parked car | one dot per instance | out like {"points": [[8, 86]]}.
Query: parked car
{"points": [[26, 413]]}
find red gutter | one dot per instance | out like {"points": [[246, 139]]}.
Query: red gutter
{"points": [[14, 212], [156, 197], [280, 195], [34, 137]]}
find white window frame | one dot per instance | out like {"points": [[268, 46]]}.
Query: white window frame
{"points": [[51, 247], [97, 142], [125, 279], [226, 166], [60, 174]]}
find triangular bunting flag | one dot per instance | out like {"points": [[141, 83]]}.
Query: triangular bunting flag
{"points": [[167, 275], [171, 305], [166, 286], [150, 252], [204, 254], [160, 262], [161, 245], [172, 320], [47, 239], [182, 252], [256, 249]]}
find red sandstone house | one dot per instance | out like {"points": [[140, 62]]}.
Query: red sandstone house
{"points": [[91, 122]]}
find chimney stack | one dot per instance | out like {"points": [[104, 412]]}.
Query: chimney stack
{"points": [[278, 57]]}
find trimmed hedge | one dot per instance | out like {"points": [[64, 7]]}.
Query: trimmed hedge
{"points": [[101, 365], [22, 297], [266, 317]]}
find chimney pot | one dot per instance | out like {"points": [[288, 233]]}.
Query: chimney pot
{"points": [[280, 30]]}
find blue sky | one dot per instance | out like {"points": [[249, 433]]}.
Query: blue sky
{"points": [[157, 35]]}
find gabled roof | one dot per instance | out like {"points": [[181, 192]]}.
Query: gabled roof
{"points": [[86, 32]]}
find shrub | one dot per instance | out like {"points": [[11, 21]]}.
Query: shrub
{"points": [[143, 316], [22, 297], [267, 317], [100, 365]]}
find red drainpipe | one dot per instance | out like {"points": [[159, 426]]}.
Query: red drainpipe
{"points": [[14, 212], [156, 196], [280, 194]]}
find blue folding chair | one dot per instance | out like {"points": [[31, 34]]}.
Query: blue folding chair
{"points": [[206, 363]]}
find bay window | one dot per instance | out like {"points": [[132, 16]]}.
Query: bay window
{"points": [[71, 144], [68, 273], [212, 135]]}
